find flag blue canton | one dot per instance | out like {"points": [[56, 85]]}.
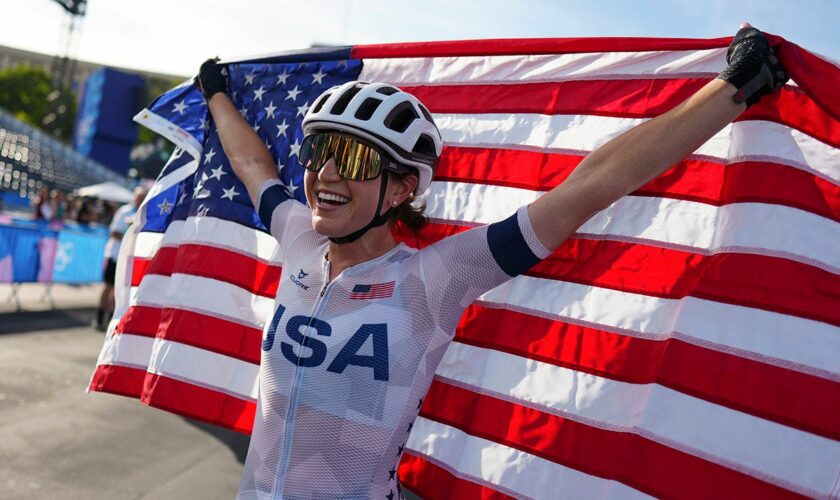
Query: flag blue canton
{"points": [[273, 98], [361, 289]]}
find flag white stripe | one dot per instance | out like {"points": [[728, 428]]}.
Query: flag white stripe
{"points": [[213, 232], [745, 140], [204, 295], [737, 440], [205, 368], [480, 460], [188, 364], [126, 350], [543, 67], [789, 341], [758, 228]]}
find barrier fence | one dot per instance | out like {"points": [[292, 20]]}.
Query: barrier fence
{"points": [[50, 252]]}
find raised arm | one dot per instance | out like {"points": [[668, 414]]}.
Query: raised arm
{"points": [[248, 155], [629, 161]]}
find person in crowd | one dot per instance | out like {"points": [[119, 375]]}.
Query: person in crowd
{"points": [[123, 218], [42, 208], [84, 212], [58, 204]]}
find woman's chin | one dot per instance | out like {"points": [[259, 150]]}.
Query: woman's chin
{"points": [[331, 228]]}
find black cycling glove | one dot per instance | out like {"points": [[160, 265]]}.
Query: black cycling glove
{"points": [[212, 78], [753, 67]]}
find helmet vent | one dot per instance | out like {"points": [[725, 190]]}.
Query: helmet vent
{"points": [[387, 90], [321, 101], [401, 117], [343, 100], [367, 108], [426, 112], [425, 145]]}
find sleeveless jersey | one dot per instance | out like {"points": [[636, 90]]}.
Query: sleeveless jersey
{"points": [[345, 364]]}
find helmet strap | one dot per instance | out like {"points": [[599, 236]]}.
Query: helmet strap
{"points": [[378, 219]]}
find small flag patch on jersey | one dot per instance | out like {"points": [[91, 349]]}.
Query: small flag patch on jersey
{"points": [[377, 291]]}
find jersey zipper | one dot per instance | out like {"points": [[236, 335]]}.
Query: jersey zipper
{"points": [[293, 394]]}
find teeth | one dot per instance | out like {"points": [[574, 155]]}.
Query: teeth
{"points": [[332, 197]]}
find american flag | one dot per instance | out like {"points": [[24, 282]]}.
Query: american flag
{"points": [[684, 342], [377, 291]]}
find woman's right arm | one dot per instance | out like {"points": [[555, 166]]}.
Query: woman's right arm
{"points": [[247, 153]]}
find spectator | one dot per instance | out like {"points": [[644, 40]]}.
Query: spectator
{"points": [[123, 218], [57, 202], [71, 211], [84, 213], [41, 205]]}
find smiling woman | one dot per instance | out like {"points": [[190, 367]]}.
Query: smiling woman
{"points": [[360, 322]]}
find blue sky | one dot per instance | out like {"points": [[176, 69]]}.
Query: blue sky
{"points": [[174, 36]]}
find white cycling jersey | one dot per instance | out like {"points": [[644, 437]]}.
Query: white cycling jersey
{"points": [[345, 364]]}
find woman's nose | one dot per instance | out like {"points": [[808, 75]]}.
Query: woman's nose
{"points": [[328, 172]]}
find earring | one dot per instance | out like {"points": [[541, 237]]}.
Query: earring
{"points": [[394, 203]]}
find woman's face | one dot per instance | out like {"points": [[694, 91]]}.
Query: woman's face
{"points": [[340, 206]]}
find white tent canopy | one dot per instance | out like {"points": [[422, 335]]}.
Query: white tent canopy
{"points": [[108, 191]]}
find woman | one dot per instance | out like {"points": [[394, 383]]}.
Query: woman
{"points": [[360, 321]]}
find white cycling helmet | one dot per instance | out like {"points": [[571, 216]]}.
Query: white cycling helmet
{"points": [[392, 119]]}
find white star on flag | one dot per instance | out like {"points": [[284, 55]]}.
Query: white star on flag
{"points": [[290, 189], [318, 77], [281, 129], [182, 197], [292, 94], [269, 110], [268, 144], [165, 207], [229, 193], [217, 173], [295, 149], [256, 126], [180, 107], [280, 167], [281, 79], [209, 156], [205, 124], [243, 111], [303, 109], [249, 79], [259, 93]]}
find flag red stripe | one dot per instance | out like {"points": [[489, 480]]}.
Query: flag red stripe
{"points": [[759, 281], [634, 460], [531, 46], [691, 179], [429, 480], [229, 266], [791, 398], [624, 98], [122, 380], [194, 329], [196, 402]]}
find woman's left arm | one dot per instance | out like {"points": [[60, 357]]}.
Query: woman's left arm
{"points": [[632, 159]]}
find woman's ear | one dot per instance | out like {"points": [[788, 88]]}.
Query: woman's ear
{"points": [[403, 188]]}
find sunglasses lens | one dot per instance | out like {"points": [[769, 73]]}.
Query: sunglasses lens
{"points": [[354, 160]]}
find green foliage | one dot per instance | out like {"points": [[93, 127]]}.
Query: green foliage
{"points": [[29, 94]]}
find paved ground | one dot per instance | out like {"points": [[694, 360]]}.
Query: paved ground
{"points": [[57, 442]]}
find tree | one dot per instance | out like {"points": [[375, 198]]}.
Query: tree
{"points": [[28, 93]]}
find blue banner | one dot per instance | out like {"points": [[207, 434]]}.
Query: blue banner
{"points": [[78, 257], [39, 252]]}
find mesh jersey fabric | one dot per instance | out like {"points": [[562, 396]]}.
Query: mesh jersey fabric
{"points": [[345, 365]]}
